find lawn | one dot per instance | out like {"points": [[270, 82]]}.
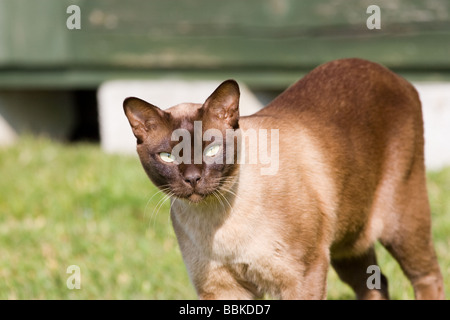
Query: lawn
{"points": [[64, 205]]}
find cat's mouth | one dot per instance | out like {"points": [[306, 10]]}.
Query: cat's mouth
{"points": [[192, 196], [196, 195], [196, 198]]}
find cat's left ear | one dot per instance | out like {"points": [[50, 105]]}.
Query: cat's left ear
{"points": [[223, 103], [145, 119]]}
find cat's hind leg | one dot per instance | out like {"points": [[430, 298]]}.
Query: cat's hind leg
{"points": [[408, 235], [353, 271], [412, 246]]}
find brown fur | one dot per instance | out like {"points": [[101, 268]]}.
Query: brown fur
{"points": [[351, 172]]}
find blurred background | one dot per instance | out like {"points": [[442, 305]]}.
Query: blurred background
{"points": [[69, 194]]}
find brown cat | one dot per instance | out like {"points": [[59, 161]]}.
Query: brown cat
{"points": [[349, 171]]}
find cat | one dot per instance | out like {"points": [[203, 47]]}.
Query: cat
{"points": [[350, 172]]}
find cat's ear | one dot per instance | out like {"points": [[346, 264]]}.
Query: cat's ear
{"points": [[223, 103], [143, 117]]}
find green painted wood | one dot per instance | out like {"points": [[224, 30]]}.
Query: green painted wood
{"points": [[187, 36], [268, 79], [32, 34], [423, 51]]}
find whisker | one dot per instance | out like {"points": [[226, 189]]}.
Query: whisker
{"points": [[173, 196], [230, 191], [159, 206], [218, 199], [163, 190], [225, 198], [152, 217]]}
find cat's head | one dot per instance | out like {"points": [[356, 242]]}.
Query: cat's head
{"points": [[180, 147]]}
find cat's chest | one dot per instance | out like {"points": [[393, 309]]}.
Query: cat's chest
{"points": [[235, 241], [228, 237]]}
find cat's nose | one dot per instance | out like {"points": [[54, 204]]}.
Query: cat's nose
{"points": [[192, 175]]}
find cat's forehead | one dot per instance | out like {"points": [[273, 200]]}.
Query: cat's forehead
{"points": [[184, 114], [185, 110]]}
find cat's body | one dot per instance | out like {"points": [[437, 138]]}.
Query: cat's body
{"points": [[350, 172]]}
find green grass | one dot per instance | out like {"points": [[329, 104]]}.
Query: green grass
{"points": [[63, 205]]}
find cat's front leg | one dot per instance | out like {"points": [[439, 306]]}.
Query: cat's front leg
{"points": [[219, 283], [310, 282]]}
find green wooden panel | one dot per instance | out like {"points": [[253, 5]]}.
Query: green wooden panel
{"points": [[255, 33], [32, 32], [262, 79], [278, 37], [4, 49]]}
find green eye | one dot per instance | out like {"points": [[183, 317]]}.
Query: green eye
{"points": [[167, 157], [212, 151]]}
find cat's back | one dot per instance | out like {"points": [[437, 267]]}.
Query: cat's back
{"points": [[347, 106], [345, 90]]}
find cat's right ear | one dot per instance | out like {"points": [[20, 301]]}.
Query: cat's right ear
{"points": [[223, 103], [143, 117]]}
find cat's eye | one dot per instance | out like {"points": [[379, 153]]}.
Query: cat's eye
{"points": [[167, 157], [212, 151]]}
